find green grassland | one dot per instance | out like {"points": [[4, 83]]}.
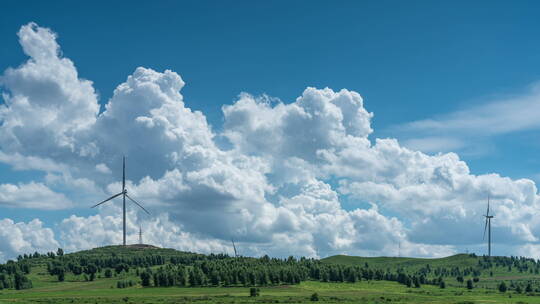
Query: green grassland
{"points": [[103, 291], [76, 289]]}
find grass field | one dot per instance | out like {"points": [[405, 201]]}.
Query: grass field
{"points": [[47, 289], [360, 292]]}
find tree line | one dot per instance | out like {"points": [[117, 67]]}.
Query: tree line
{"points": [[165, 268]]}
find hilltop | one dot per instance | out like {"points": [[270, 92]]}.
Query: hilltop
{"points": [[129, 250]]}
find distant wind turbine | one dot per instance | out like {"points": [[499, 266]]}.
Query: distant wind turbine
{"points": [[124, 195], [234, 247], [487, 228]]}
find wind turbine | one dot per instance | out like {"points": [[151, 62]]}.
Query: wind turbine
{"points": [[234, 247], [488, 228], [124, 195]]}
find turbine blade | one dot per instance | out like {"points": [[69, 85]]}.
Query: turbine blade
{"points": [[485, 229], [137, 204], [123, 173], [110, 198], [234, 247], [487, 212]]}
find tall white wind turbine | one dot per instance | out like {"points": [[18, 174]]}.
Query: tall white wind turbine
{"points": [[124, 195], [487, 228]]}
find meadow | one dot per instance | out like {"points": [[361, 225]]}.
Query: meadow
{"points": [[104, 291]]}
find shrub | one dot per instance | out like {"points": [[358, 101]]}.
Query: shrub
{"points": [[314, 297]]}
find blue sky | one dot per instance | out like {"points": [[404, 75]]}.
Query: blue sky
{"points": [[416, 64], [410, 61]]}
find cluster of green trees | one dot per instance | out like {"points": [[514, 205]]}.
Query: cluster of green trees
{"points": [[164, 268], [60, 267], [227, 271], [521, 264], [125, 283], [517, 287], [267, 271], [14, 281], [13, 275], [37, 255]]}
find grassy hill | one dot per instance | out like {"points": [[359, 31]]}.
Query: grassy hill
{"points": [[279, 280], [458, 260], [130, 251]]}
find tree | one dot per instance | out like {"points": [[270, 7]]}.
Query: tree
{"points": [[215, 278], [314, 297], [416, 282], [77, 269], [254, 292], [145, 279], [351, 278], [60, 252], [502, 287], [442, 285], [408, 281], [518, 289], [21, 281], [121, 267], [470, 284], [61, 275], [528, 288], [108, 273], [91, 269]]}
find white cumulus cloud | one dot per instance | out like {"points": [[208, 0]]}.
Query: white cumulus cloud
{"points": [[32, 195], [279, 188], [20, 238]]}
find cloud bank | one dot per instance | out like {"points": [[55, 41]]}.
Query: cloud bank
{"points": [[469, 129], [278, 187]]}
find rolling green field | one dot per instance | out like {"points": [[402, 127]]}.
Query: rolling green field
{"points": [[77, 289], [103, 291]]}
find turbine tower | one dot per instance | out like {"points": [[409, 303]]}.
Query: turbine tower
{"points": [[124, 195], [140, 236], [488, 228]]}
